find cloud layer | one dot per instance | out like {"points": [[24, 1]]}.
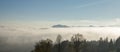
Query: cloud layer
{"points": [[26, 35]]}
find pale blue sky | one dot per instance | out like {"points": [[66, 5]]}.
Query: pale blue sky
{"points": [[57, 10]]}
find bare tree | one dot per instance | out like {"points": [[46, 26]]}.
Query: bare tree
{"points": [[77, 40]]}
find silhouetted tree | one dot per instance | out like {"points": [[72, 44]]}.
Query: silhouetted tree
{"points": [[58, 41], [103, 45], [43, 46], [77, 44], [77, 40], [111, 46], [117, 45]]}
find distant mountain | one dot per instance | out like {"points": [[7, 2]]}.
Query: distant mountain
{"points": [[60, 26]]}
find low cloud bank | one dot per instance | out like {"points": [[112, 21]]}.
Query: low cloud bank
{"points": [[22, 38]]}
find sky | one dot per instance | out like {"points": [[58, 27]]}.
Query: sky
{"points": [[22, 22], [59, 11]]}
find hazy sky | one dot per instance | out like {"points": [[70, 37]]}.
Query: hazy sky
{"points": [[59, 10]]}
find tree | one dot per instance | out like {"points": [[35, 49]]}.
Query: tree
{"points": [[103, 45], [58, 41], [77, 41], [117, 45], [111, 46], [43, 46], [77, 44]]}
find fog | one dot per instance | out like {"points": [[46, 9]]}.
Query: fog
{"points": [[23, 38]]}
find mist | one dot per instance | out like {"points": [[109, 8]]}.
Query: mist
{"points": [[18, 38]]}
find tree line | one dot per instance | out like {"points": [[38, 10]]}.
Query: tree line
{"points": [[77, 44]]}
